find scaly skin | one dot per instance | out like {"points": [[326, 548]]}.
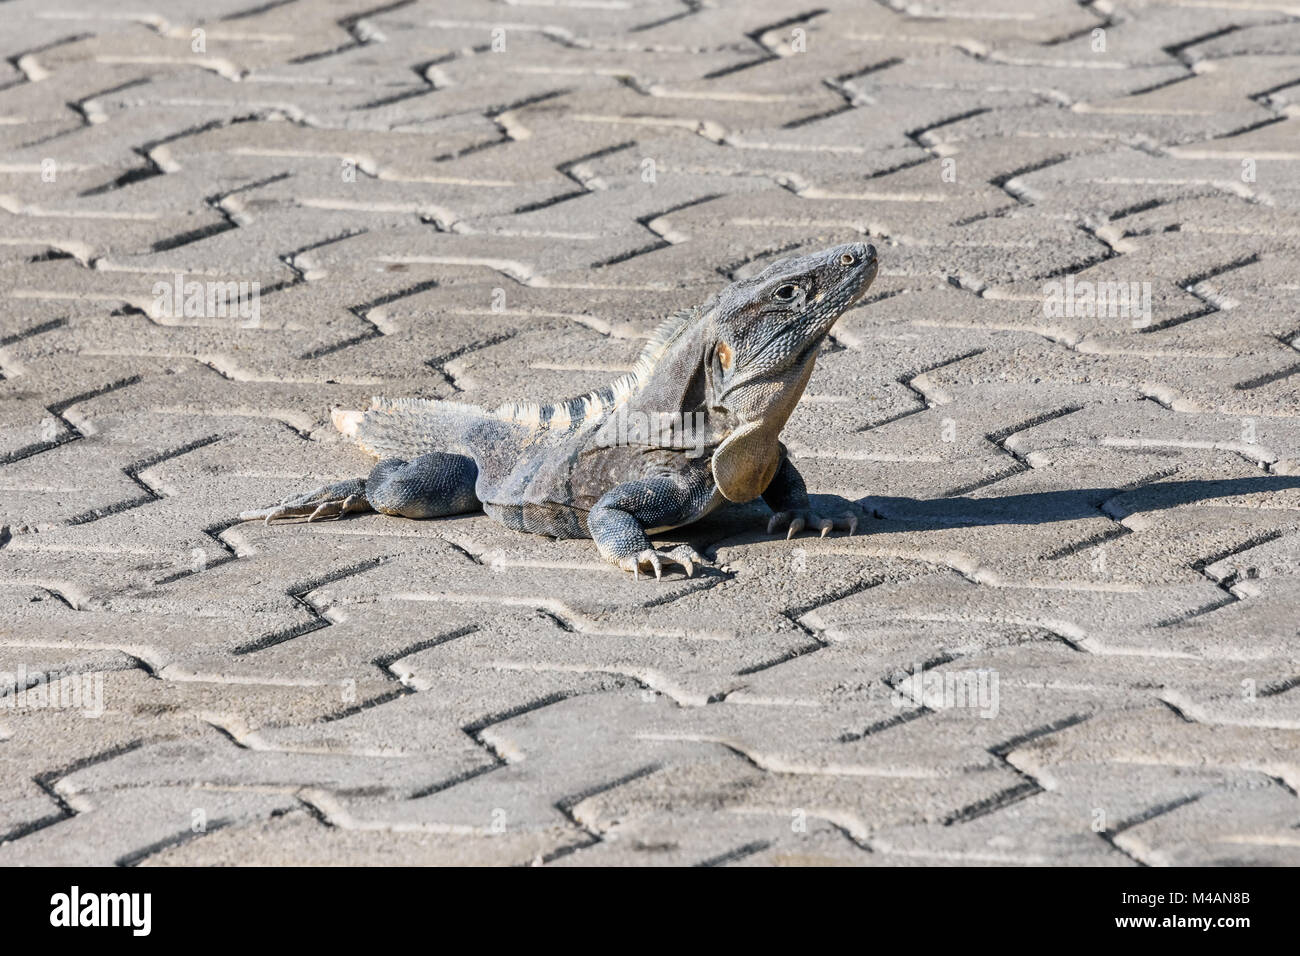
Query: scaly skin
{"points": [[695, 426]]}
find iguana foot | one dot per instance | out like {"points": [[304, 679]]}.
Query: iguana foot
{"points": [[801, 518], [684, 555], [327, 501]]}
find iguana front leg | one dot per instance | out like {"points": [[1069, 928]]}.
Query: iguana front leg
{"points": [[787, 496], [620, 518]]}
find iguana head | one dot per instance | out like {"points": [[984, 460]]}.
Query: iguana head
{"points": [[767, 332]]}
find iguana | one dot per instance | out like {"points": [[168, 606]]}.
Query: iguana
{"points": [[695, 425]]}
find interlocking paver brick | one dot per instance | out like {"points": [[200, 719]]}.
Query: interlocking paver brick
{"points": [[1064, 634]]}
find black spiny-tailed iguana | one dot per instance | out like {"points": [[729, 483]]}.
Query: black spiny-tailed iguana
{"points": [[696, 424]]}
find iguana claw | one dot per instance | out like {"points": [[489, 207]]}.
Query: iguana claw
{"points": [[327, 501], [685, 555], [333, 508], [804, 518]]}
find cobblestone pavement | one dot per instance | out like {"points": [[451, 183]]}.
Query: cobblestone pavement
{"points": [[1068, 634]]}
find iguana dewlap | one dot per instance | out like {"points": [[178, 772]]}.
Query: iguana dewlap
{"points": [[695, 425]]}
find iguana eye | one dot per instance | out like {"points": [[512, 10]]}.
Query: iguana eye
{"points": [[724, 356], [786, 292]]}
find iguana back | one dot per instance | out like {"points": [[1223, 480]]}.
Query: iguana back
{"points": [[523, 450]]}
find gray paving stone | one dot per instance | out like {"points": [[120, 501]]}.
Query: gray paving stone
{"points": [[1099, 517]]}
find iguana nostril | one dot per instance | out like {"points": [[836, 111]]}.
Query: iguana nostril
{"points": [[847, 259]]}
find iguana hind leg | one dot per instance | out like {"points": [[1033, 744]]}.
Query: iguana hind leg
{"points": [[431, 486]]}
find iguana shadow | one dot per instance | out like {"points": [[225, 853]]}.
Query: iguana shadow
{"points": [[1041, 507]]}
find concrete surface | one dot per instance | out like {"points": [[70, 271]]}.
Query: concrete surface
{"points": [[1086, 527]]}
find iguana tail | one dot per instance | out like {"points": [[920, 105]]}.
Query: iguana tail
{"points": [[408, 427]]}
